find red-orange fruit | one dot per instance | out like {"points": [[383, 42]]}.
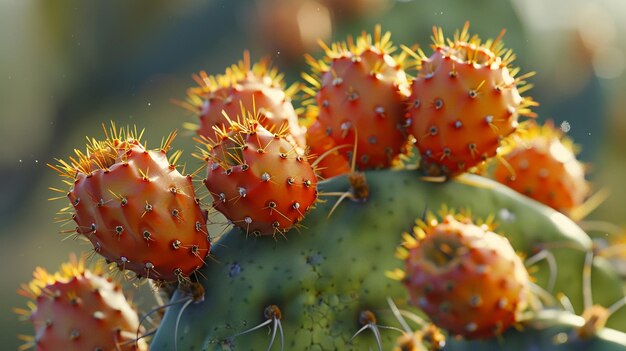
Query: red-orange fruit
{"points": [[135, 207], [330, 161], [357, 94], [465, 277], [463, 102], [260, 181], [255, 87], [542, 164], [78, 309]]}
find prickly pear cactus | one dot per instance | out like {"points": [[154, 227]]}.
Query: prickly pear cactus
{"points": [[323, 278], [355, 262]]}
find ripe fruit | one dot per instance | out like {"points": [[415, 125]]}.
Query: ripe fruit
{"points": [[463, 102], [330, 161], [466, 278], [257, 87], [78, 309], [135, 207], [260, 181], [542, 164], [359, 91]]}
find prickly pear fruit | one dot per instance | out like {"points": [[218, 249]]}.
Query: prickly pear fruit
{"points": [[542, 164], [465, 277], [135, 207], [330, 161], [255, 87], [357, 94], [79, 309], [260, 181], [324, 278], [463, 102]]}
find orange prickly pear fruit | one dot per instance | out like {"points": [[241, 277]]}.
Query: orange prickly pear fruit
{"points": [[135, 207], [260, 181], [257, 87], [464, 101], [542, 164], [465, 277], [78, 309], [330, 161], [357, 94]]}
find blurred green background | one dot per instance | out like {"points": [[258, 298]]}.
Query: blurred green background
{"points": [[67, 67]]}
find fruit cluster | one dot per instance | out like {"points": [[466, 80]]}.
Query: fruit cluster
{"points": [[398, 146]]}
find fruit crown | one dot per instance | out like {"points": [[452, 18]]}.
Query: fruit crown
{"points": [[379, 43], [423, 226], [261, 70], [102, 154], [547, 132], [246, 123], [470, 48], [42, 279], [467, 48], [430, 220]]}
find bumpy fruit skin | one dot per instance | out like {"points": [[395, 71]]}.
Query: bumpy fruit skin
{"points": [[77, 309], [260, 181], [330, 161], [358, 92], [257, 88], [467, 279], [136, 208], [463, 102], [543, 166]]}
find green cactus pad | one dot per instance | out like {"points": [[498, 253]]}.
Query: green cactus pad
{"points": [[324, 276]]}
